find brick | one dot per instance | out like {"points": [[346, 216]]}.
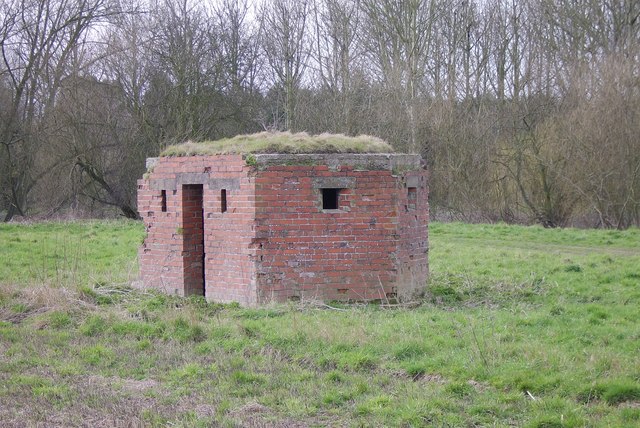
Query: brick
{"points": [[274, 242]]}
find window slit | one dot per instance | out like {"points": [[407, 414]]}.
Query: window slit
{"points": [[163, 201], [223, 200]]}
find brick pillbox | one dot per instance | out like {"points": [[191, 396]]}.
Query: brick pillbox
{"points": [[260, 227]]}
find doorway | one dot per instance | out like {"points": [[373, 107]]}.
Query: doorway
{"points": [[193, 250]]}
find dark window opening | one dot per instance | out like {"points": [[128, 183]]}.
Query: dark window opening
{"points": [[223, 200], [412, 197], [330, 199], [163, 195]]}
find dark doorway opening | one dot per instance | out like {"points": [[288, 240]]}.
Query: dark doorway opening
{"points": [[193, 240]]}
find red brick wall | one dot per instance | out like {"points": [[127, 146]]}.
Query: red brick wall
{"points": [[229, 236], [351, 253], [171, 256], [160, 257], [413, 245]]}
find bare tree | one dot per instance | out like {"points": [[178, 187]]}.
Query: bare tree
{"points": [[38, 36], [286, 46], [398, 40], [237, 45], [336, 53], [599, 136], [185, 72]]}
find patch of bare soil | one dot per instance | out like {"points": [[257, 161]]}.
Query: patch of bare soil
{"points": [[478, 386], [17, 318], [430, 378], [255, 415], [98, 402]]}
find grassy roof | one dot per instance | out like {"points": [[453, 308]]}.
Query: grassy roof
{"points": [[282, 142]]}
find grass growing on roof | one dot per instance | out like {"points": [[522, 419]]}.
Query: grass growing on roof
{"points": [[282, 142], [521, 326]]}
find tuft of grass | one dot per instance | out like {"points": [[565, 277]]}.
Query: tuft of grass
{"points": [[57, 394], [98, 355], [242, 377], [620, 392], [59, 320], [94, 325], [281, 142], [186, 332], [190, 372], [459, 389], [139, 329], [410, 350]]}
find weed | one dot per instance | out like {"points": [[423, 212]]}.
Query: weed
{"points": [[617, 393], [250, 160], [57, 394], [335, 376], [547, 422], [258, 314], [415, 370], [19, 308], [241, 377], [189, 373], [444, 295], [183, 331], [8, 333], [363, 359], [144, 344], [573, 268], [459, 389], [154, 419], [410, 350], [97, 355], [59, 319], [336, 397], [631, 415], [94, 325], [87, 293], [139, 329]]}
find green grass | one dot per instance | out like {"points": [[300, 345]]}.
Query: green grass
{"points": [[282, 142], [69, 252], [521, 326]]}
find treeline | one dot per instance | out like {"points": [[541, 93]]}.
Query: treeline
{"points": [[525, 111]]}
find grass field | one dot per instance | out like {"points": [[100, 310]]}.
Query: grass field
{"points": [[522, 326]]}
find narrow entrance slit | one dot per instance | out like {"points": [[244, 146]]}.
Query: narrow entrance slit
{"points": [[193, 239]]}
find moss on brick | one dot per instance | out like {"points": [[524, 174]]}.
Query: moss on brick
{"points": [[281, 142]]}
